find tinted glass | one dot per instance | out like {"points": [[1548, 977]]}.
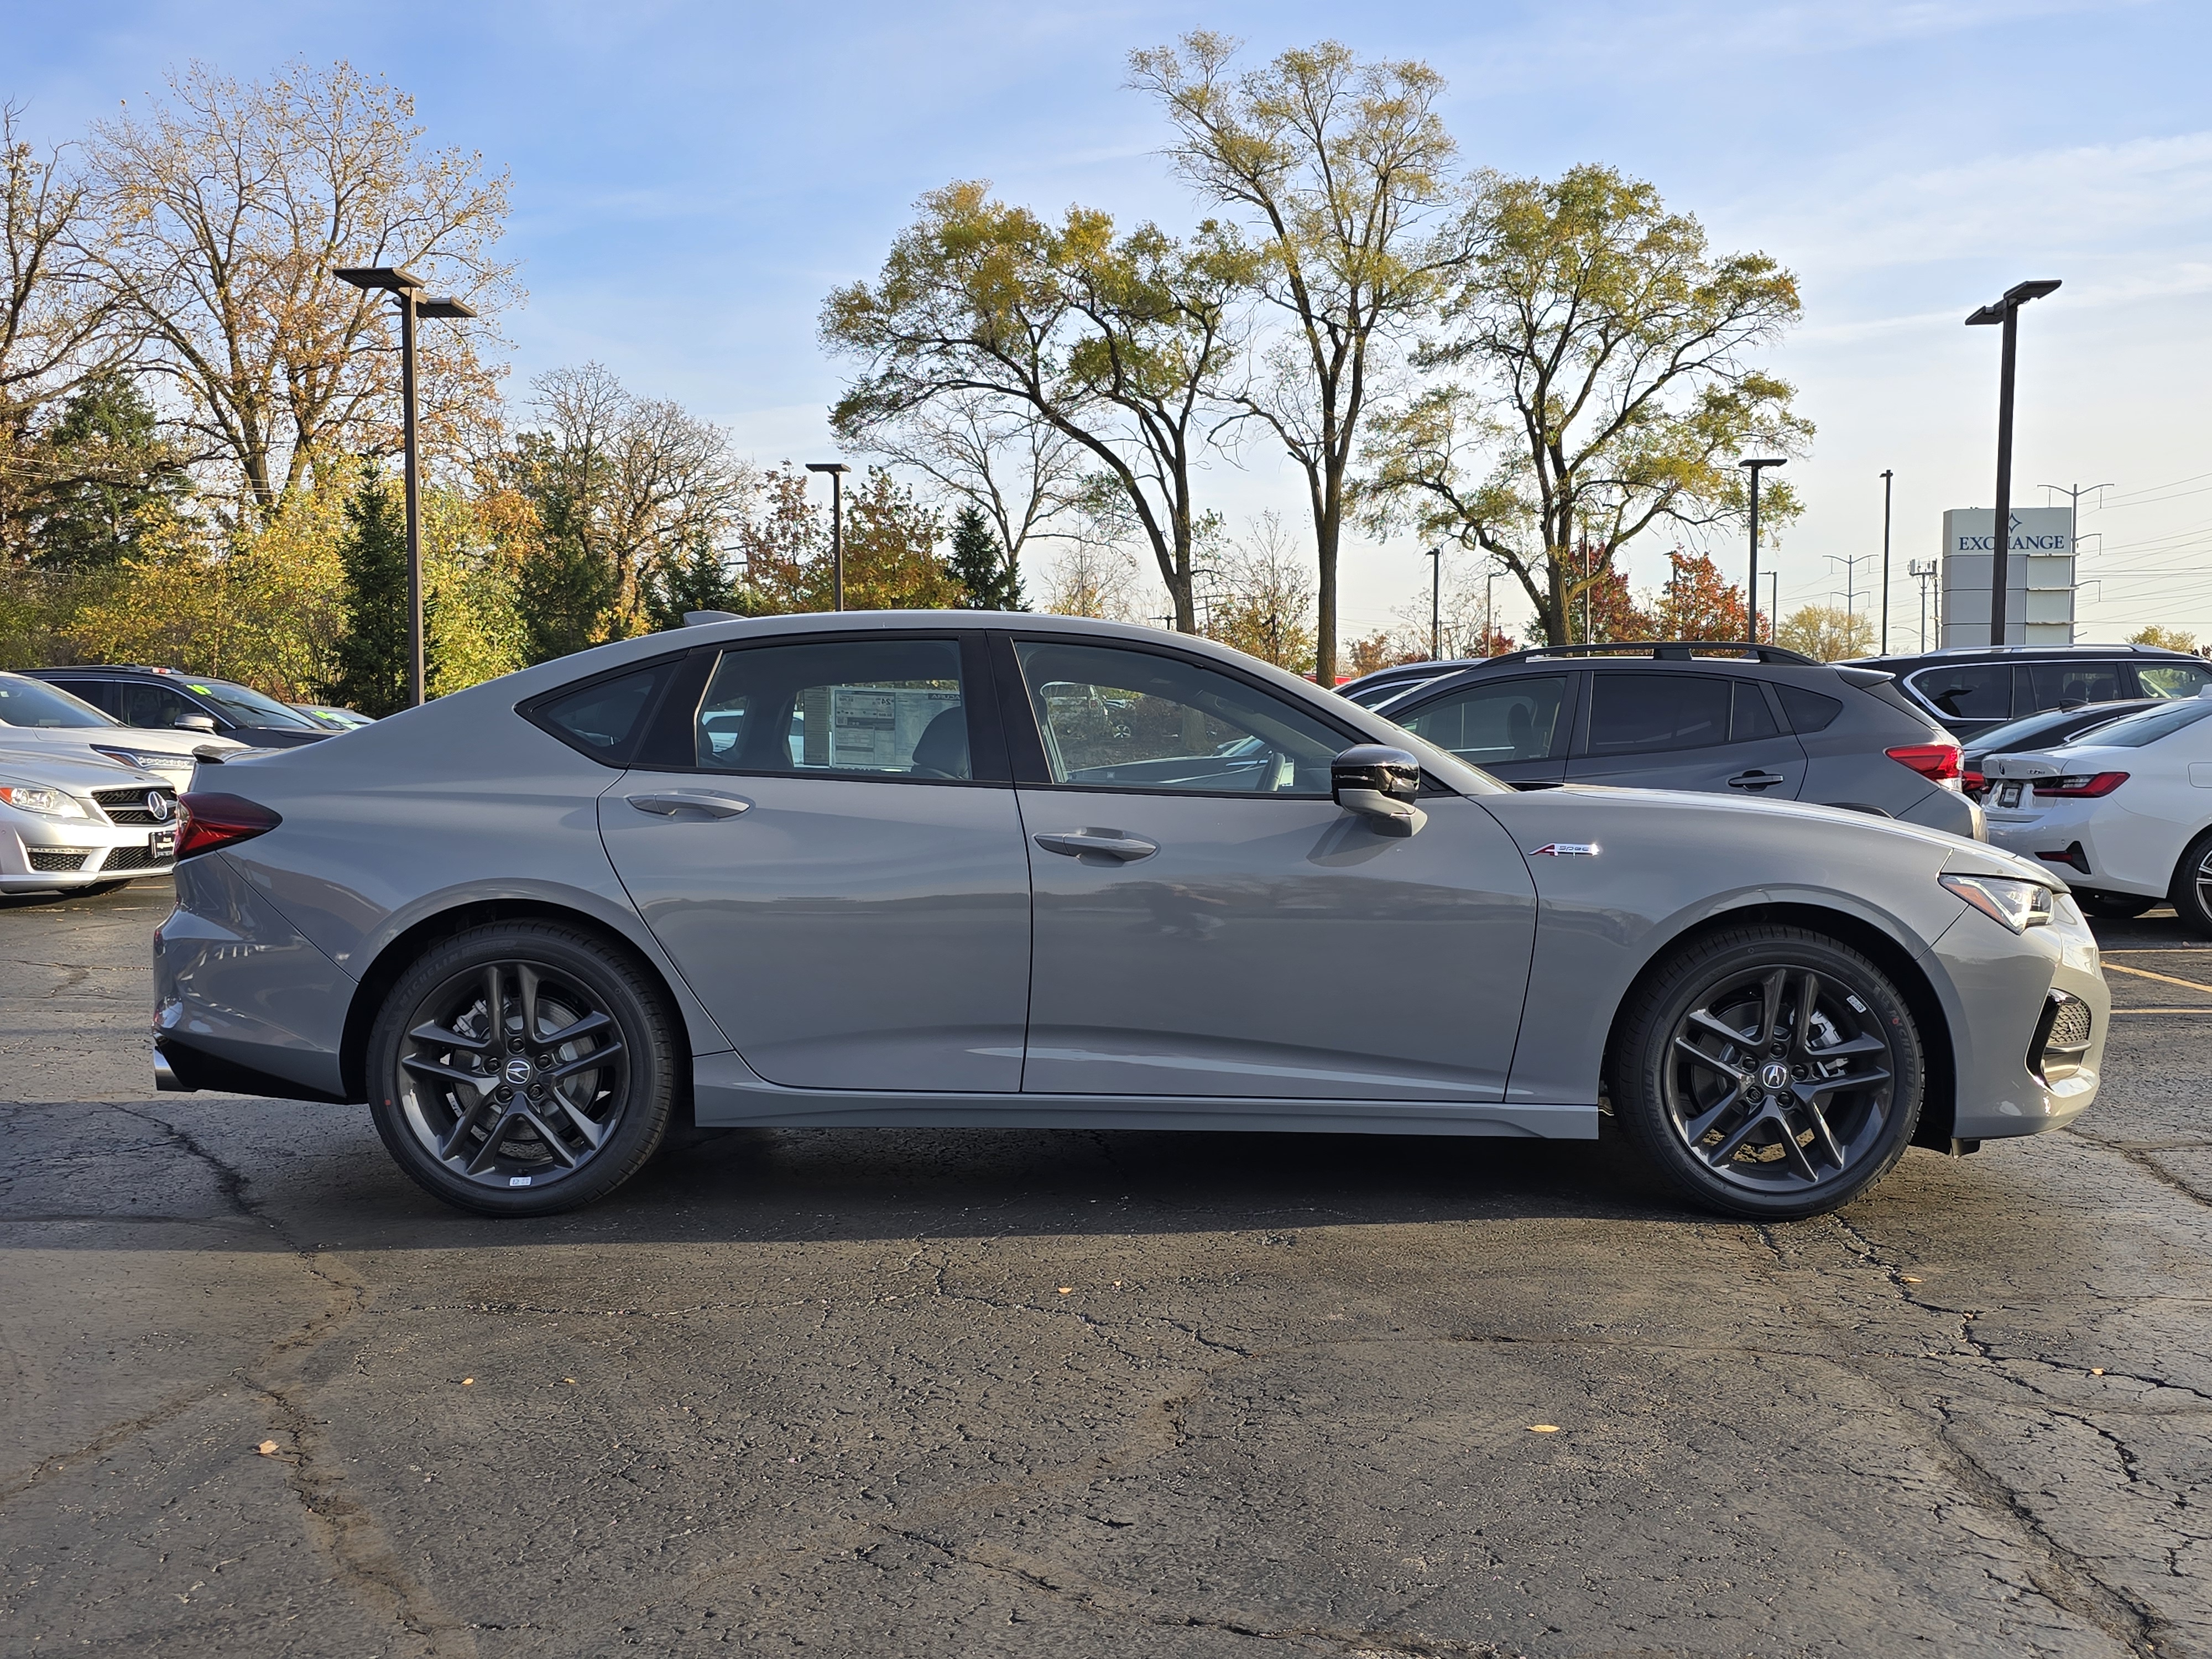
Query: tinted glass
{"points": [[153, 705], [1750, 717], [1808, 711], [1368, 695], [248, 707], [1133, 720], [2030, 732], [2148, 727], [2173, 679], [1969, 692], [2058, 684], [872, 706], [1640, 713], [1504, 721], [30, 703], [600, 719]]}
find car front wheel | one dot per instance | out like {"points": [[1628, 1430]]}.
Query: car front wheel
{"points": [[522, 1068], [2191, 891], [1769, 1072]]}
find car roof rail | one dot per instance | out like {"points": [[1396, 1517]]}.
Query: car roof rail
{"points": [[1658, 650], [2126, 646]]}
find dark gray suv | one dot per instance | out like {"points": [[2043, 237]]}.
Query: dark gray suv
{"points": [[1760, 721]]}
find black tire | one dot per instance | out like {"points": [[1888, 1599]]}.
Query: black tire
{"points": [[100, 887], [603, 1064], [1770, 1146], [2191, 891], [2117, 907]]}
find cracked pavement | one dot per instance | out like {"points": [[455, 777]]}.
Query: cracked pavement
{"points": [[938, 1392]]}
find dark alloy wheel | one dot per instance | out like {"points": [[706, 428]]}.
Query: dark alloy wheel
{"points": [[521, 1069], [2191, 892], [1770, 1072]]}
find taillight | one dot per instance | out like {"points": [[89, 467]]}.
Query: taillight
{"points": [[206, 821], [1938, 763], [1973, 783], [2091, 784]]}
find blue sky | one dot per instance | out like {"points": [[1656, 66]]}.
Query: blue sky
{"points": [[691, 178]]}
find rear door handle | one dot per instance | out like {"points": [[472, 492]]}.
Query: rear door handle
{"points": [[1074, 843], [1756, 779], [669, 802]]}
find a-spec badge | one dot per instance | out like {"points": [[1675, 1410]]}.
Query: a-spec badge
{"points": [[1565, 850]]}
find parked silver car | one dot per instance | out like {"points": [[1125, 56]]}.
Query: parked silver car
{"points": [[945, 868], [70, 822]]}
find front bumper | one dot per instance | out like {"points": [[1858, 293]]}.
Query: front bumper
{"points": [[47, 855], [2002, 984]]}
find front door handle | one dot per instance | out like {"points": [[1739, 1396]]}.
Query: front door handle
{"points": [[669, 802], [1074, 843], [1756, 779]]}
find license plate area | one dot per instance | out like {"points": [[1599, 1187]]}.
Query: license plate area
{"points": [[161, 844], [2008, 794]]}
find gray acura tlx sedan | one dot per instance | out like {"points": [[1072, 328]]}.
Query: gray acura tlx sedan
{"points": [[965, 869]]}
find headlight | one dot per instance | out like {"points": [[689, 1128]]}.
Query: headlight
{"points": [[46, 803], [2020, 905]]}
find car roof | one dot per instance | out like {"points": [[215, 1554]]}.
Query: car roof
{"points": [[1951, 654]]}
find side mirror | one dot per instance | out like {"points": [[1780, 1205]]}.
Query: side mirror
{"points": [[1378, 782], [193, 723]]}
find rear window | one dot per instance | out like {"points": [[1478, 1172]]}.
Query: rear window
{"points": [[2148, 727], [604, 718]]}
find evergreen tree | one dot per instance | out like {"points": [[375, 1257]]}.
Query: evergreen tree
{"points": [[566, 586], [97, 464], [372, 650], [693, 578], [978, 565]]}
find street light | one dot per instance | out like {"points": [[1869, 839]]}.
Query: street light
{"points": [[837, 470], [1437, 605], [403, 285], [1886, 475], [1751, 591], [2007, 312]]}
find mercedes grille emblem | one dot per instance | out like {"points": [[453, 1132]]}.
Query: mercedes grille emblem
{"points": [[158, 806]]}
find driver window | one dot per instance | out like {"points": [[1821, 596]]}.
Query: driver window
{"points": [[1133, 719], [872, 708]]}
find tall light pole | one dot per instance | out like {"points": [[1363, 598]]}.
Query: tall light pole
{"points": [[2007, 312], [403, 285], [1751, 589], [837, 470], [1436, 604], [1886, 475]]}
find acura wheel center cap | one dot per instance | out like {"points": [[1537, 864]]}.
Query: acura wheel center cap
{"points": [[1774, 1077], [518, 1072]]}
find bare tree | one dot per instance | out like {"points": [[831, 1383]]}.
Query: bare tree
{"points": [[1344, 168], [1021, 471], [53, 314], [222, 212]]}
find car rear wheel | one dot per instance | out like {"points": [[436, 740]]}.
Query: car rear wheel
{"points": [[1768, 1072], [522, 1068], [2191, 892]]}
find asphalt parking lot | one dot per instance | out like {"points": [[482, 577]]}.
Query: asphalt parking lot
{"points": [[881, 1393]]}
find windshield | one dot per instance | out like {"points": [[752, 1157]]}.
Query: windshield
{"points": [[2148, 727], [249, 707], [33, 702]]}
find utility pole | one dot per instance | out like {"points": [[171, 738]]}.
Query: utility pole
{"points": [[1921, 570], [1489, 627], [2073, 531], [2005, 311], [1751, 588], [1773, 601], [837, 470], [1436, 604], [1886, 475]]}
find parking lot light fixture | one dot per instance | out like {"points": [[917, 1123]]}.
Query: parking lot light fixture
{"points": [[837, 470], [2005, 311], [1751, 589], [405, 286]]}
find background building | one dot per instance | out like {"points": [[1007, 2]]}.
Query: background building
{"points": [[2039, 576]]}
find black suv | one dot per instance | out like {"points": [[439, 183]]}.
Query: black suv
{"points": [[163, 698], [1973, 688], [1757, 720]]}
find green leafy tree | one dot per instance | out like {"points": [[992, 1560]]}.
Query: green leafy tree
{"points": [[566, 587], [372, 658], [985, 575], [1592, 379], [1827, 631], [694, 577]]}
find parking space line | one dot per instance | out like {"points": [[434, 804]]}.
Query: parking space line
{"points": [[2164, 979], [2162, 1011]]}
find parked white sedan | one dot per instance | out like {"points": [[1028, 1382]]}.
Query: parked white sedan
{"points": [[2126, 812], [42, 718]]}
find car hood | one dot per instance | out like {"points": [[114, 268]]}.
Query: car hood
{"points": [[151, 741], [1966, 857], [78, 775]]}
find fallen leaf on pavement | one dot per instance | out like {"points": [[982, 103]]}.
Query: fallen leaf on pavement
{"points": [[1543, 1428], [267, 1448], [468, 1381], [1067, 1290]]}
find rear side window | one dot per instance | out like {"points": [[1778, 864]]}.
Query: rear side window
{"points": [[877, 708], [1489, 724], [604, 719], [1808, 711], [2057, 685], [1971, 691], [2176, 679], [1640, 714]]}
